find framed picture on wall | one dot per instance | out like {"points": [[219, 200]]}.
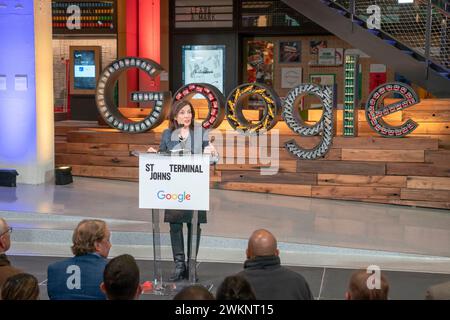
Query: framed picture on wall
{"points": [[315, 45], [85, 64], [322, 79], [291, 77], [204, 64], [260, 56], [327, 56], [290, 52]]}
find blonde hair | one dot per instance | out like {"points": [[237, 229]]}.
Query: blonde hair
{"points": [[86, 234]]}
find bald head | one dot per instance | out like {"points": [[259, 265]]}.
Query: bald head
{"points": [[262, 243]]}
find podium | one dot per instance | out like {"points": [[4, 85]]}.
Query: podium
{"points": [[172, 181]]}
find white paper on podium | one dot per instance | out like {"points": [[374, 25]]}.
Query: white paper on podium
{"points": [[174, 182]]}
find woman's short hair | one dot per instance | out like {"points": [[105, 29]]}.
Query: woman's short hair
{"points": [[176, 107], [86, 234], [235, 288], [22, 286]]}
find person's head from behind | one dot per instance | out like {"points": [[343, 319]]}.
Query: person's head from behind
{"points": [[91, 236], [121, 279], [363, 285], [5, 238], [235, 288], [182, 114], [194, 292], [262, 243], [22, 286]]}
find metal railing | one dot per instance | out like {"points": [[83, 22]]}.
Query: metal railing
{"points": [[420, 26]]}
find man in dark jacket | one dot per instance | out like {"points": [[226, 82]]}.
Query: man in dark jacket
{"points": [[268, 278], [79, 277], [6, 270]]}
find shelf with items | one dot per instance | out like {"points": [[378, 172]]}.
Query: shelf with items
{"points": [[350, 124], [84, 17]]}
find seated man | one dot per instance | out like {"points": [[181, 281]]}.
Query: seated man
{"points": [[438, 292], [358, 288], [268, 278], [6, 270], [79, 278], [121, 279]]}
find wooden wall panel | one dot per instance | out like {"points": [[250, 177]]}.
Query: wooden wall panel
{"points": [[418, 169], [433, 183], [383, 155], [425, 195], [342, 167], [283, 189], [355, 193], [361, 180], [280, 178], [441, 157]]}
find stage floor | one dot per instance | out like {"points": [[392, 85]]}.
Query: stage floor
{"points": [[311, 232]]}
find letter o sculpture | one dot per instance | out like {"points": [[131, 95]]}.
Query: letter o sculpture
{"points": [[234, 108], [215, 99]]}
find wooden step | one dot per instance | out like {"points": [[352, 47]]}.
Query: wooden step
{"points": [[361, 180], [425, 195], [418, 169], [426, 116], [342, 167], [283, 189], [383, 155], [354, 193], [431, 183], [414, 203], [279, 178], [94, 160], [112, 136], [440, 157]]}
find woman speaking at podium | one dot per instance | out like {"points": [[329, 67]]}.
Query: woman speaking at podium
{"points": [[184, 138]]}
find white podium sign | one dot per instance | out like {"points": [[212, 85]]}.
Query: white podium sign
{"points": [[174, 182]]}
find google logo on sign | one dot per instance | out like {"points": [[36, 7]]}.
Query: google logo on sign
{"points": [[168, 196]]}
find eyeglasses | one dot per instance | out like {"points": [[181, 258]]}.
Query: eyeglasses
{"points": [[9, 230]]}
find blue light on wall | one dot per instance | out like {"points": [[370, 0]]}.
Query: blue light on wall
{"points": [[17, 66]]}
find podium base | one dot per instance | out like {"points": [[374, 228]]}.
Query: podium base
{"points": [[170, 288]]}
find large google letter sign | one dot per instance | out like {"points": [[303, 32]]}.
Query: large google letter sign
{"points": [[232, 107]]}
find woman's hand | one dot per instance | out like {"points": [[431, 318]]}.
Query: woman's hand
{"points": [[152, 150]]}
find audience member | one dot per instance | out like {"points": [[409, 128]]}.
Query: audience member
{"points": [[269, 279], [6, 270], [235, 288], [438, 292], [360, 289], [22, 286], [79, 277], [194, 292], [121, 279]]}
